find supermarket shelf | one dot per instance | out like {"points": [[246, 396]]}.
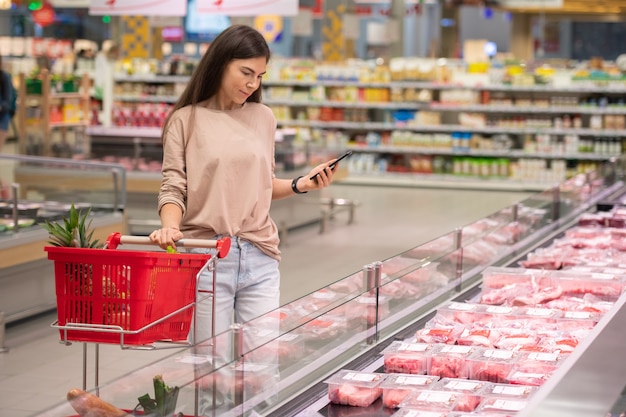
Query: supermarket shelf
{"points": [[125, 131], [488, 108], [494, 108], [83, 123], [147, 99], [66, 96], [451, 128], [445, 181], [581, 87], [151, 78], [505, 153], [345, 104]]}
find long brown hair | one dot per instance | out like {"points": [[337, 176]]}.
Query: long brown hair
{"points": [[235, 42]]}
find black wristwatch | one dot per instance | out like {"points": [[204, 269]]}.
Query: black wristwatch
{"points": [[294, 186]]}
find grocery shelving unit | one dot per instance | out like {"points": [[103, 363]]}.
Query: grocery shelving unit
{"points": [[360, 108], [42, 116], [561, 129]]}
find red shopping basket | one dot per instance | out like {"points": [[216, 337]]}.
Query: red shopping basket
{"points": [[134, 297]]}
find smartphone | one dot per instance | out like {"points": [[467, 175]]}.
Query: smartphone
{"points": [[332, 166]]}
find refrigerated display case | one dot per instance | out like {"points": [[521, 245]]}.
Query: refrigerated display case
{"points": [[280, 364], [36, 189]]}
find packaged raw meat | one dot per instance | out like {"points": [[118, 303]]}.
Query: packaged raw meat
{"points": [[483, 337], [517, 340], [520, 392], [354, 388], [406, 412], [407, 358], [397, 386], [430, 400], [565, 345], [463, 313], [608, 287], [325, 327], [449, 361], [542, 359], [368, 308], [538, 314], [493, 365], [592, 219], [400, 289], [472, 391], [498, 277], [502, 405], [530, 374], [248, 379], [349, 285], [439, 330]]}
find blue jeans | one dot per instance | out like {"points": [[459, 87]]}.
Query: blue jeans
{"points": [[247, 286]]}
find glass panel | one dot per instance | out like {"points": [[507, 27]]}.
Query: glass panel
{"points": [[46, 187]]}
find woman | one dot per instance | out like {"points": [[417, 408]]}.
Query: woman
{"points": [[218, 178]]}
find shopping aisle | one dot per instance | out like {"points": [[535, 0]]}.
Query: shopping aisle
{"points": [[37, 371]]}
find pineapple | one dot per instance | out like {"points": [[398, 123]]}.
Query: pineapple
{"points": [[74, 232]]}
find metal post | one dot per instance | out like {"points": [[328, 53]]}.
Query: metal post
{"points": [[369, 281], [15, 213], [556, 203], [458, 244], [237, 351], [3, 349]]}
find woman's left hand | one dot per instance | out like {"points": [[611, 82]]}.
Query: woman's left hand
{"points": [[322, 176]]}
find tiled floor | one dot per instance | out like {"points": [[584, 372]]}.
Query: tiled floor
{"points": [[37, 371]]}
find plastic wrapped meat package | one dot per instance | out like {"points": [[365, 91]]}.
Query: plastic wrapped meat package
{"points": [[450, 361], [530, 373], [407, 358], [517, 286], [396, 387], [431, 400], [502, 405], [349, 285], [248, 379], [427, 277], [366, 308], [406, 412], [324, 328], [354, 388], [482, 337], [518, 340], [471, 390], [515, 392], [608, 287], [493, 365], [463, 313], [439, 330]]}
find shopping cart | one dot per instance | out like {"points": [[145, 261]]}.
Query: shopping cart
{"points": [[129, 297]]}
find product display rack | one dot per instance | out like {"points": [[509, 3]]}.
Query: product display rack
{"points": [[311, 344], [549, 121], [554, 128], [51, 122]]}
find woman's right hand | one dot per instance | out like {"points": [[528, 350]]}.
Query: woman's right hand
{"points": [[166, 237]]}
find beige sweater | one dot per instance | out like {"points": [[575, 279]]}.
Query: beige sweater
{"points": [[218, 168]]}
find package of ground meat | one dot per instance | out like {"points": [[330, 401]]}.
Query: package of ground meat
{"points": [[471, 390], [397, 386], [450, 361], [493, 365], [354, 388], [407, 358]]}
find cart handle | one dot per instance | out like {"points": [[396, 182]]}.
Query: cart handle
{"points": [[222, 245]]}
